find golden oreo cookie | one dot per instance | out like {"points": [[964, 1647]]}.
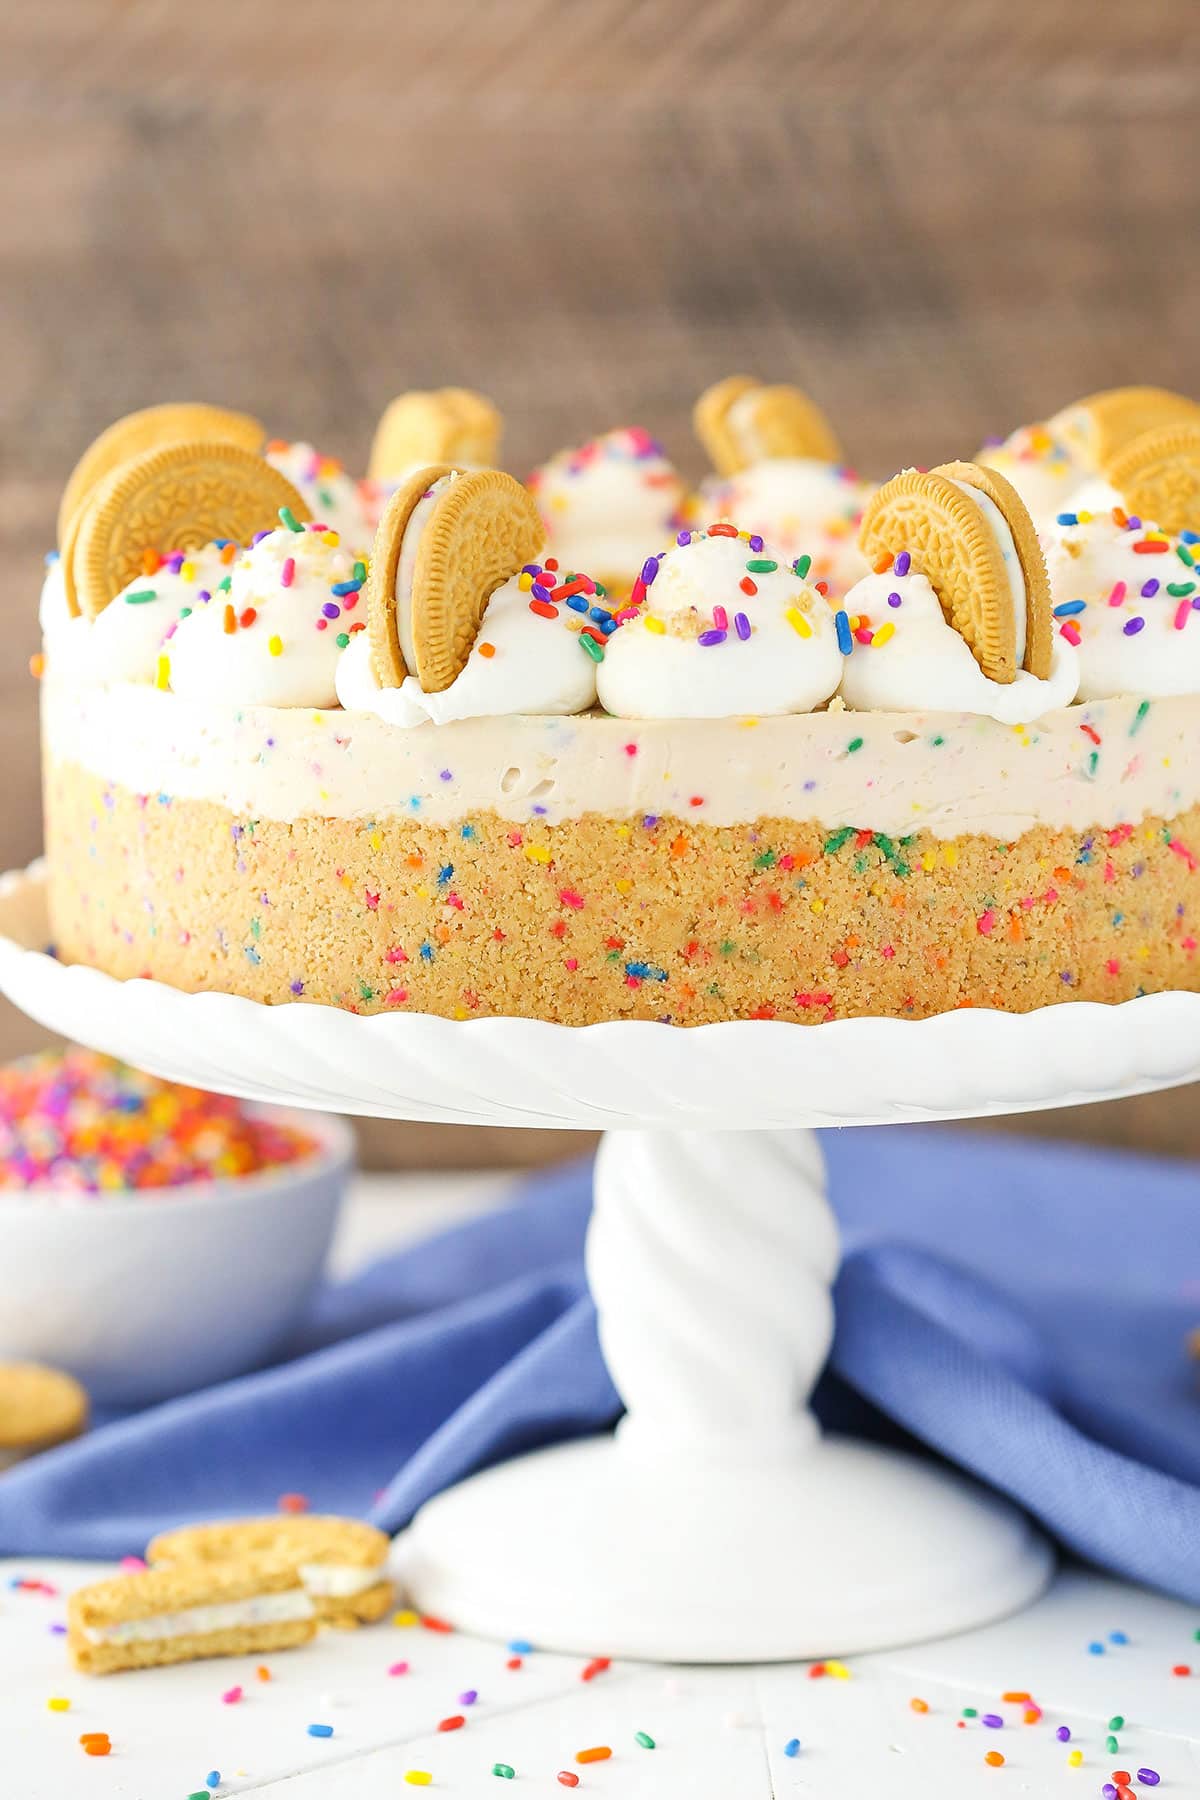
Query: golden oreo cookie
{"points": [[174, 498], [483, 527], [387, 657], [177, 422], [1158, 476], [953, 544], [453, 425], [39, 1408], [739, 422], [1102, 425], [341, 1562]]}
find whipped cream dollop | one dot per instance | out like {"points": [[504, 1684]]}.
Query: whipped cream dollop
{"points": [[334, 498], [609, 504], [124, 642], [799, 504], [273, 633], [525, 658], [906, 657], [1044, 466], [725, 628], [1128, 596]]}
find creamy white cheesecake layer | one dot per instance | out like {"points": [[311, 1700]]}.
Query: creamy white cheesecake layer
{"points": [[1106, 762]]}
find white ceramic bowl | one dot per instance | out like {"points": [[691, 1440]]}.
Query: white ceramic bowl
{"points": [[145, 1296]]}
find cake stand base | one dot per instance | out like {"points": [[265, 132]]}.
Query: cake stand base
{"points": [[590, 1547]]}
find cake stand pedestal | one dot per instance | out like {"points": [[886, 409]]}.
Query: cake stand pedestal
{"points": [[717, 1524]]}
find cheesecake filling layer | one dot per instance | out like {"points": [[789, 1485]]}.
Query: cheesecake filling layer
{"points": [[1107, 762]]}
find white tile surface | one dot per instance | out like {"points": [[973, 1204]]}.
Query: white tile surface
{"points": [[720, 1734]]}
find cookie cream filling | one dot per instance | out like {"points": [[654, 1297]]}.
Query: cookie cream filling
{"points": [[203, 1621], [1006, 544], [338, 1581], [923, 662], [406, 565], [726, 629]]}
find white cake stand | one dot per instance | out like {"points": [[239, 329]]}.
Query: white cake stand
{"points": [[718, 1524]]}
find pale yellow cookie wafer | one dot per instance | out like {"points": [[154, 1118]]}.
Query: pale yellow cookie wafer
{"points": [[1102, 425], [181, 421], [740, 422], [387, 657], [453, 425], [38, 1407], [953, 544], [484, 527], [66, 557], [710, 421], [1158, 476], [174, 498]]}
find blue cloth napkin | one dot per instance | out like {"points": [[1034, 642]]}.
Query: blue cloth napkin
{"points": [[1021, 1309]]}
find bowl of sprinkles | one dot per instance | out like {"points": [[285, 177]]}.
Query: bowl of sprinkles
{"points": [[155, 1238]]}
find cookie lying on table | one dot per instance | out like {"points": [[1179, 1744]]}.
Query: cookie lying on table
{"points": [[187, 1611], [342, 1563]]}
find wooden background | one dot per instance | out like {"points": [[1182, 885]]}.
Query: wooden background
{"points": [[941, 219]]}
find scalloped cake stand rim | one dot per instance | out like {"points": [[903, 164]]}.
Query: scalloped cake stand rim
{"points": [[743, 1074]]}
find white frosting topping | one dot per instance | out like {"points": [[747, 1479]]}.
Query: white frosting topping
{"points": [[924, 663], [1136, 635], [202, 1621], [337, 1581], [703, 647], [610, 504], [274, 638], [123, 643], [799, 504], [520, 663], [333, 497], [1042, 467]]}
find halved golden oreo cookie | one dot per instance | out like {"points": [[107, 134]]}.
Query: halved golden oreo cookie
{"points": [[66, 557], [739, 421], [482, 528], [383, 635], [183, 421], [453, 425], [1158, 476], [174, 498], [1101, 426], [954, 543]]}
